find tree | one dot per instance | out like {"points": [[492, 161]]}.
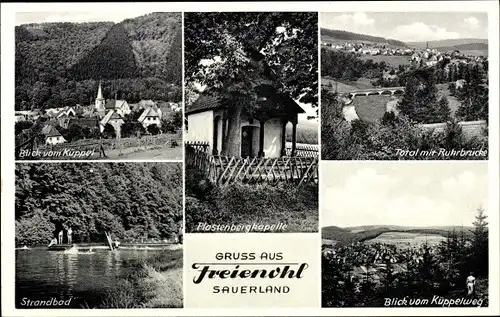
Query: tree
{"points": [[249, 50], [473, 97], [128, 200], [154, 129], [443, 111], [480, 243], [132, 129], [74, 132], [22, 125], [109, 131], [63, 65], [420, 100]]}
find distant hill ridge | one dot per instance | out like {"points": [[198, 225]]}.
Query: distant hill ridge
{"points": [[464, 47], [449, 42], [441, 45], [345, 236], [350, 36]]}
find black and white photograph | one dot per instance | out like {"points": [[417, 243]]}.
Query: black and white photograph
{"points": [[404, 235], [251, 120], [98, 235], [404, 86], [98, 85]]}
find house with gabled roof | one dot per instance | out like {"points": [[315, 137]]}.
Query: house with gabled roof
{"points": [[52, 135], [119, 106], [150, 115], [113, 118]]}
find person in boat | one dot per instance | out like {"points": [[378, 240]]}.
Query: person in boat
{"points": [[70, 236], [471, 284]]}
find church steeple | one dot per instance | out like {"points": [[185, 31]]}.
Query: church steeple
{"points": [[99, 91], [100, 101]]}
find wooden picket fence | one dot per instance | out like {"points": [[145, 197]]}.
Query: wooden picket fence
{"points": [[224, 170]]}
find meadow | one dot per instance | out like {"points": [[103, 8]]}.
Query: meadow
{"points": [[345, 85]]}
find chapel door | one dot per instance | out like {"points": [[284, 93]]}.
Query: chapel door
{"points": [[246, 141]]}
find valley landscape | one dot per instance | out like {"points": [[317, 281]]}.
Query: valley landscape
{"points": [[363, 267], [390, 233], [433, 92]]}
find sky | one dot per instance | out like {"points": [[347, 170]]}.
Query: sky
{"points": [[410, 26], [402, 193], [40, 17]]}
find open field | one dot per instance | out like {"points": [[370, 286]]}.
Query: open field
{"points": [[406, 239], [307, 132], [475, 52], [346, 86], [370, 108], [328, 242], [393, 61], [346, 236], [331, 84]]}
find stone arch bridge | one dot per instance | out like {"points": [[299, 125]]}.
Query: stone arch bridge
{"points": [[386, 91]]}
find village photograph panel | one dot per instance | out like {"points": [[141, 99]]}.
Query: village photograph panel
{"points": [[404, 234], [251, 121], [404, 86], [98, 235], [98, 85]]}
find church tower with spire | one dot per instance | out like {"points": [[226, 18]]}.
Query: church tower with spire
{"points": [[100, 102]]}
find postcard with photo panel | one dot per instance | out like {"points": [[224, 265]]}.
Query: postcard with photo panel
{"points": [[98, 90], [251, 121], [404, 86], [405, 235], [98, 235]]}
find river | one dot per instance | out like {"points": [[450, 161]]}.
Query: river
{"points": [[83, 278]]}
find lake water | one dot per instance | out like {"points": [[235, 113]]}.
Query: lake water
{"points": [[83, 278]]}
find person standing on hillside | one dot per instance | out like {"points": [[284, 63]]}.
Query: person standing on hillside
{"points": [[471, 284]]}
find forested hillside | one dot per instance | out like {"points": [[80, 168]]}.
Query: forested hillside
{"points": [[139, 200], [112, 58], [350, 36], [60, 64], [156, 41]]}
